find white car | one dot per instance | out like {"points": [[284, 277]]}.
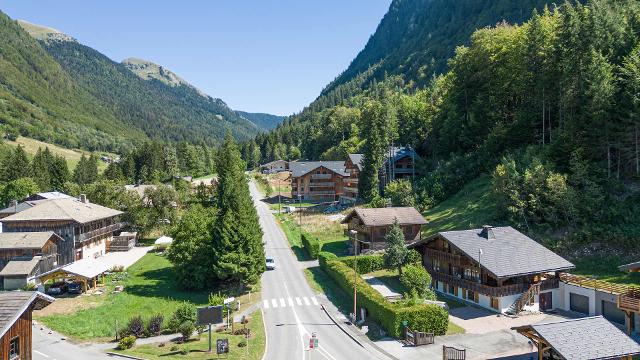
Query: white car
{"points": [[271, 264]]}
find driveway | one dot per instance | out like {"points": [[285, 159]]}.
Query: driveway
{"points": [[480, 321], [124, 258]]}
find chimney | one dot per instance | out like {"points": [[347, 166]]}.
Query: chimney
{"points": [[487, 232], [14, 205], [83, 199]]}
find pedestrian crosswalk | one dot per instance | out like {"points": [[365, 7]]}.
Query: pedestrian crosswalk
{"points": [[289, 302]]}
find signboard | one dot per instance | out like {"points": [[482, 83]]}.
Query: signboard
{"points": [[222, 346], [209, 315], [313, 341]]}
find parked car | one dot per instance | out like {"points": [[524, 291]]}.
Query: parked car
{"points": [[75, 288], [58, 288], [271, 264]]}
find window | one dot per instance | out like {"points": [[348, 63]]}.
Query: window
{"points": [[471, 274], [14, 348], [472, 296], [452, 289], [495, 303], [436, 265]]}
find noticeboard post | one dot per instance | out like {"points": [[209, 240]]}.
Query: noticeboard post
{"points": [[222, 346], [209, 315]]}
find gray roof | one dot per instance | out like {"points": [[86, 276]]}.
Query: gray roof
{"points": [[629, 267], [356, 159], [14, 303], [70, 209], [386, 216], [20, 267], [300, 168], [52, 195], [397, 153], [21, 206], [506, 252], [587, 338], [25, 240]]}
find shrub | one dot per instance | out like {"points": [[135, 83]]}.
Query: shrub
{"points": [[174, 348], [420, 317], [312, 245], [185, 312], [127, 342], [186, 330], [154, 327], [416, 279], [366, 263], [242, 343], [136, 326], [324, 256]]}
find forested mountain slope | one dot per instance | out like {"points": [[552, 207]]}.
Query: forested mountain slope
{"points": [[262, 120]]}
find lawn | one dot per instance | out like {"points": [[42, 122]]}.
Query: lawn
{"points": [[150, 288], [197, 348], [470, 208], [330, 233], [606, 268]]}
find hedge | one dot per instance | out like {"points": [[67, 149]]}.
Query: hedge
{"points": [[420, 317], [366, 263], [312, 245]]}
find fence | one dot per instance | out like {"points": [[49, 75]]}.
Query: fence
{"points": [[417, 338], [451, 353]]}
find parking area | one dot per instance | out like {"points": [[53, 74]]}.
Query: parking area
{"points": [[475, 320], [124, 258]]}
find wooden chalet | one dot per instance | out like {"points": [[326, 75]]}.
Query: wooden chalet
{"points": [[15, 322], [586, 338], [497, 268], [372, 225], [25, 255], [88, 226], [353, 167], [399, 163], [317, 181], [274, 167]]}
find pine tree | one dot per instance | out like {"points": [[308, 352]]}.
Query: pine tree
{"points": [[238, 251], [40, 169], [58, 172], [373, 117], [396, 254], [16, 166]]}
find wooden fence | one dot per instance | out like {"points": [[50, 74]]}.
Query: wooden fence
{"points": [[451, 353], [417, 338]]}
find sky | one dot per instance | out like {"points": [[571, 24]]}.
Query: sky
{"points": [[256, 55]]}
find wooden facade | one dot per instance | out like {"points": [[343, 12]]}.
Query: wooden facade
{"points": [[350, 183], [19, 333], [15, 322], [319, 184]]}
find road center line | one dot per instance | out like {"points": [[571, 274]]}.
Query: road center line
{"points": [[41, 354]]}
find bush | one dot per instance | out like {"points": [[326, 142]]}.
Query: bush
{"points": [[154, 327], [185, 312], [324, 256], [127, 342], [420, 317], [312, 245], [136, 326], [242, 343], [416, 279], [186, 329], [366, 263]]}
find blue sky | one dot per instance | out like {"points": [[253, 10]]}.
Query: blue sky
{"points": [[260, 56]]}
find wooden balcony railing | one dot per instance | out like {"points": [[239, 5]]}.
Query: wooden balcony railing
{"points": [[98, 232], [494, 291], [443, 256], [321, 176], [350, 189], [322, 184], [350, 180]]}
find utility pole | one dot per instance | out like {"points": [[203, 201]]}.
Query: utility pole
{"points": [[279, 198], [354, 236], [300, 210]]}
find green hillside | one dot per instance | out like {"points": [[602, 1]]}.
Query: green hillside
{"points": [[263, 121]]}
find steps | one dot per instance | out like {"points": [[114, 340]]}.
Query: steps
{"points": [[528, 297]]}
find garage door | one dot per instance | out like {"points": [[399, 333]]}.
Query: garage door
{"points": [[579, 303], [611, 312]]}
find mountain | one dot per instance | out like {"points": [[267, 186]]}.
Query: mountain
{"points": [[40, 32], [262, 120]]}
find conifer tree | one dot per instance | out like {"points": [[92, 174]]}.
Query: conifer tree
{"points": [[396, 254], [238, 252], [16, 166], [40, 169], [373, 117]]}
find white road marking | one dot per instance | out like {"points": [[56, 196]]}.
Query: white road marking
{"points": [[314, 300], [282, 303], [41, 354], [290, 301], [266, 303], [298, 301], [306, 301], [274, 302]]}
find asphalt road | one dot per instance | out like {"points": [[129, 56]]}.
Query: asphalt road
{"points": [[51, 347], [292, 310]]}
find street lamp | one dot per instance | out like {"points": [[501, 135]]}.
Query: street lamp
{"points": [[300, 209], [354, 235]]}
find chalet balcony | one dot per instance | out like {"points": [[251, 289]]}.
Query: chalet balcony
{"points": [[98, 232], [321, 176], [322, 184], [350, 189], [443, 256], [350, 180], [493, 291], [324, 193]]}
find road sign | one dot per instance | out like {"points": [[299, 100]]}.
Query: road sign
{"points": [[209, 315], [313, 341], [222, 346]]}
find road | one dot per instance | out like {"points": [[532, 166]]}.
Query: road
{"points": [[292, 310], [51, 347]]}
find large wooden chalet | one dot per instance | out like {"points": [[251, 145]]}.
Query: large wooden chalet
{"points": [[88, 226], [15, 322], [497, 268], [372, 225], [317, 181], [353, 167]]}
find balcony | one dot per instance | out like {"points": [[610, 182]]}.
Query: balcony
{"points": [[98, 232], [350, 180], [322, 184], [443, 256], [350, 189], [321, 176], [493, 291], [312, 193]]}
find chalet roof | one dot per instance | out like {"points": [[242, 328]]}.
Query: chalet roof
{"points": [[506, 252], [87, 268], [25, 240], [356, 160], [50, 196], [387, 216], [14, 303], [22, 206], [397, 153], [300, 168], [585, 338], [630, 267], [20, 267], [274, 162], [70, 209]]}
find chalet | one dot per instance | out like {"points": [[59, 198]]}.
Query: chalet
{"points": [[274, 167], [317, 180], [24, 255], [496, 268], [372, 225], [15, 322], [398, 164], [353, 167], [585, 338], [88, 226]]}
